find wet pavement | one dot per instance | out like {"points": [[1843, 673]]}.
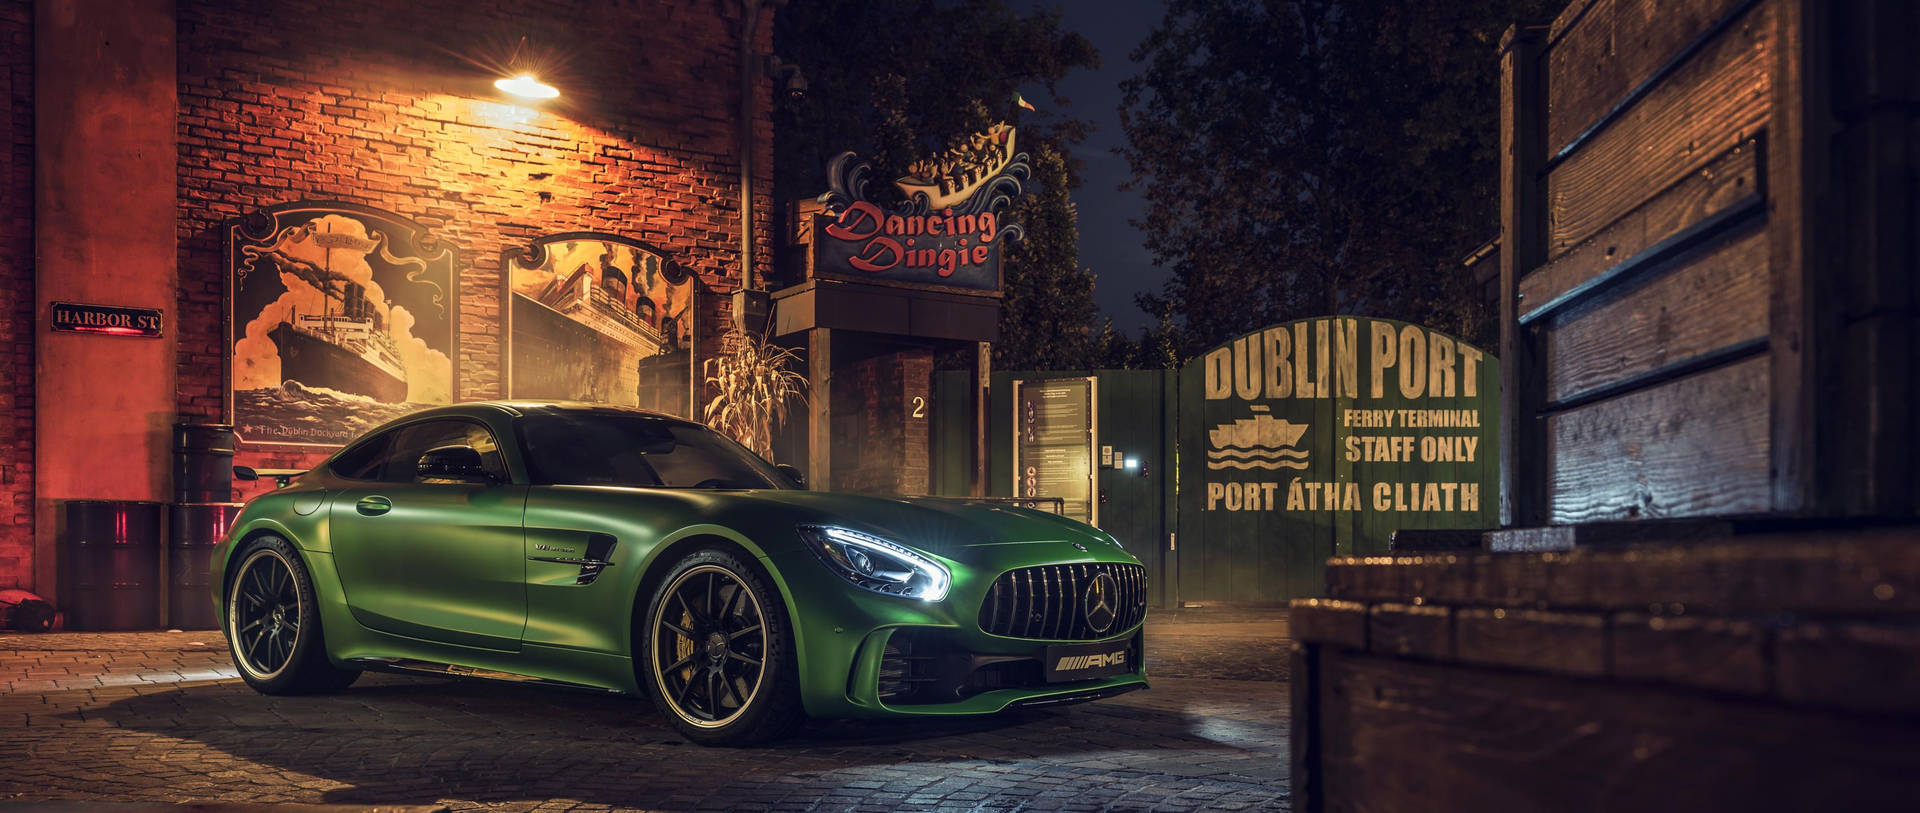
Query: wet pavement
{"points": [[161, 717]]}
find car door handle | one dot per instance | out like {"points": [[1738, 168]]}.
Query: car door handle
{"points": [[373, 506]]}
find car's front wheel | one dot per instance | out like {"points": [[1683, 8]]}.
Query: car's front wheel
{"points": [[273, 623], [718, 652]]}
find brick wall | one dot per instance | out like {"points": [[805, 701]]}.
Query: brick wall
{"points": [[880, 444], [388, 105], [16, 293]]}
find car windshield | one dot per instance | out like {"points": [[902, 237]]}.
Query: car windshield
{"points": [[624, 449]]}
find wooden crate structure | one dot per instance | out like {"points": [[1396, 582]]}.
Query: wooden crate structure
{"points": [[1763, 673], [1704, 595], [1708, 261]]}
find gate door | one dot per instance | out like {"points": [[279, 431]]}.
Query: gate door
{"points": [[1321, 437]]}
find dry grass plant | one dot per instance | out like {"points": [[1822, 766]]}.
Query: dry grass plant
{"points": [[754, 385]]}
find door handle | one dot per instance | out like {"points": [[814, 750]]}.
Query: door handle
{"points": [[373, 506]]}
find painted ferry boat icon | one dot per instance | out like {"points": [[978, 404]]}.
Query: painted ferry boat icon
{"points": [[1259, 442]]}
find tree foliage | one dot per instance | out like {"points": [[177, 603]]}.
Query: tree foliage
{"points": [[1308, 157], [903, 80]]}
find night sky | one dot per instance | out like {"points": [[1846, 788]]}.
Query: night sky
{"points": [[1109, 245]]}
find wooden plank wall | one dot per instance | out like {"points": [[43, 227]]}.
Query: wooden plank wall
{"points": [[1652, 299], [1703, 318]]}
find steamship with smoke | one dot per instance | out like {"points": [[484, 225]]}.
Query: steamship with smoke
{"points": [[348, 350], [579, 338]]}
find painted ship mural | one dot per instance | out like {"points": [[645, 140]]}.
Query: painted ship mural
{"points": [[600, 320], [1259, 442], [347, 350], [334, 330]]}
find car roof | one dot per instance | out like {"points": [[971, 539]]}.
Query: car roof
{"points": [[519, 407]]}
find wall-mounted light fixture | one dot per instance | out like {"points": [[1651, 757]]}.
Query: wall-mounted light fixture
{"points": [[789, 80], [526, 87]]}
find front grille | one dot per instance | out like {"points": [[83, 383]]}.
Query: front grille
{"points": [[1049, 602]]}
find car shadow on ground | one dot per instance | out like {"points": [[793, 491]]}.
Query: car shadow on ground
{"points": [[411, 740]]}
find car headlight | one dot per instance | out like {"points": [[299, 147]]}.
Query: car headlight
{"points": [[876, 564]]}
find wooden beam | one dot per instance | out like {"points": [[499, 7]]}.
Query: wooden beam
{"points": [[982, 372], [1800, 264], [1523, 248], [820, 409]]}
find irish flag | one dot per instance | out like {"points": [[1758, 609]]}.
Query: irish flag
{"points": [[1021, 101]]}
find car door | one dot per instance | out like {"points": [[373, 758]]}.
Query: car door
{"points": [[434, 560]]}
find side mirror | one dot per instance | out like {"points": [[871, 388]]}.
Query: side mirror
{"points": [[799, 479], [245, 473], [459, 464]]}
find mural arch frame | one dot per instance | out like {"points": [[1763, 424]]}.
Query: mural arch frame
{"points": [[336, 397]]}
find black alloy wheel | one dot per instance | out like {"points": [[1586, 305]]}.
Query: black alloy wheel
{"points": [[266, 612], [719, 652], [273, 623]]}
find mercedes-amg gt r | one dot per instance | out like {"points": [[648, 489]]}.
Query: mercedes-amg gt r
{"points": [[625, 551]]}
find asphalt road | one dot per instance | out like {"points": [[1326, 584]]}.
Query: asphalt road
{"points": [[160, 717]]}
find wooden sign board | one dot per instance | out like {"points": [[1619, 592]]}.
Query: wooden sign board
{"points": [[947, 231]]}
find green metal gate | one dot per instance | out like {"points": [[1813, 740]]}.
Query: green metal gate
{"points": [[1320, 438], [1135, 418], [1292, 444]]}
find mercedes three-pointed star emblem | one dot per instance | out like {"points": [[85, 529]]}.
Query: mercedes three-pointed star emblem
{"points": [[1097, 604]]}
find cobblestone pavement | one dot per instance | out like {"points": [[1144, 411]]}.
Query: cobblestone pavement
{"points": [[161, 717]]}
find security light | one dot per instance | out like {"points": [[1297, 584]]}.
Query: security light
{"points": [[527, 87]]}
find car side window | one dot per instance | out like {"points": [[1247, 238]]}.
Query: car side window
{"points": [[412, 441], [363, 460]]}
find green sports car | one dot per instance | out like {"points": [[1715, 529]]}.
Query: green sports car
{"points": [[624, 551]]}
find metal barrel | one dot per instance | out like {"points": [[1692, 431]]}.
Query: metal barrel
{"points": [[202, 462], [195, 528], [110, 564]]}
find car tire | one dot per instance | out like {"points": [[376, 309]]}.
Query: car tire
{"points": [[273, 623], [716, 652]]}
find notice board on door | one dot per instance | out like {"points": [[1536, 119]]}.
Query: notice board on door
{"points": [[1054, 444]]}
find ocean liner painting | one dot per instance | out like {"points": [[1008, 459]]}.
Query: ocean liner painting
{"points": [[596, 317], [340, 321]]}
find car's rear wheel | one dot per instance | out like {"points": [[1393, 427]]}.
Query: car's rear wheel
{"points": [[718, 652], [273, 624]]}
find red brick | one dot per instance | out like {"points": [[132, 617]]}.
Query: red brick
{"points": [[274, 109]]}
